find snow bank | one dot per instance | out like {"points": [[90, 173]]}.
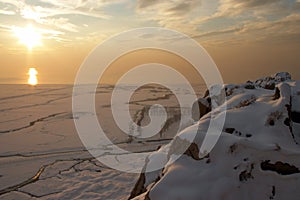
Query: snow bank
{"points": [[256, 157]]}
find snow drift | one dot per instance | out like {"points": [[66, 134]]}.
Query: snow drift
{"points": [[256, 157]]}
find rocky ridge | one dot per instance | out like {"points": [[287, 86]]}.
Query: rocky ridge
{"points": [[256, 157]]}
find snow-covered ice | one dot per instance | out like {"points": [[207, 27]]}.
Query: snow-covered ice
{"points": [[256, 157], [41, 155]]}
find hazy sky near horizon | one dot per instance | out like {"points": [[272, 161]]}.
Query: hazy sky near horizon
{"points": [[247, 39]]}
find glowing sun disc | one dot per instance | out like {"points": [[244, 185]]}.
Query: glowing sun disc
{"points": [[32, 80], [28, 36]]}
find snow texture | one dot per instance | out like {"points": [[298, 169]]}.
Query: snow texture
{"points": [[256, 157]]}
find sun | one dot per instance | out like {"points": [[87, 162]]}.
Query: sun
{"points": [[32, 80], [28, 36]]}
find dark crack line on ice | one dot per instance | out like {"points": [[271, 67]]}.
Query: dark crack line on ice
{"points": [[61, 136], [28, 181], [41, 154], [36, 93], [77, 151], [78, 162], [12, 120], [38, 196], [138, 102], [139, 116], [34, 105], [164, 97], [36, 177], [32, 123]]}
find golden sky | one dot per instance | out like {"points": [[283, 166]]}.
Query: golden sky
{"points": [[246, 38]]}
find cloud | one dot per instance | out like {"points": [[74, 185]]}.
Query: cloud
{"points": [[171, 14], [4, 27], [182, 8], [250, 8], [283, 28], [252, 3], [7, 12], [38, 12], [14, 3], [240, 20], [205, 20], [54, 15], [50, 12], [284, 31], [167, 8], [45, 33], [218, 32], [141, 4], [85, 8], [62, 23], [251, 20]]}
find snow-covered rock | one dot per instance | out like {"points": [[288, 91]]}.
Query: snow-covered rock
{"points": [[270, 81], [256, 157]]}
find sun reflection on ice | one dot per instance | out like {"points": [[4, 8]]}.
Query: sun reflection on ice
{"points": [[32, 80]]}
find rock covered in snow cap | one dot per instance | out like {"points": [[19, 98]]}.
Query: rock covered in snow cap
{"points": [[270, 81], [256, 157]]}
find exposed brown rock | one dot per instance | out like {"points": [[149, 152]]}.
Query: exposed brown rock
{"points": [[246, 102], [139, 187], [233, 147], [273, 117], [295, 116], [277, 94], [207, 94], [229, 91], [279, 167], [270, 86], [193, 151], [229, 130], [199, 109], [249, 85], [245, 175]]}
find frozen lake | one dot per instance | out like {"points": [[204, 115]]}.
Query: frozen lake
{"points": [[41, 155]]}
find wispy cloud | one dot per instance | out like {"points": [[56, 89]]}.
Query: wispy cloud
{"points": [[250, 9], [218, 32], [254, 20], [172, 14], [60, 18], [168, 7], [51, 13], [285, 30], [45, 33], [7, 12], [204, 20]]}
